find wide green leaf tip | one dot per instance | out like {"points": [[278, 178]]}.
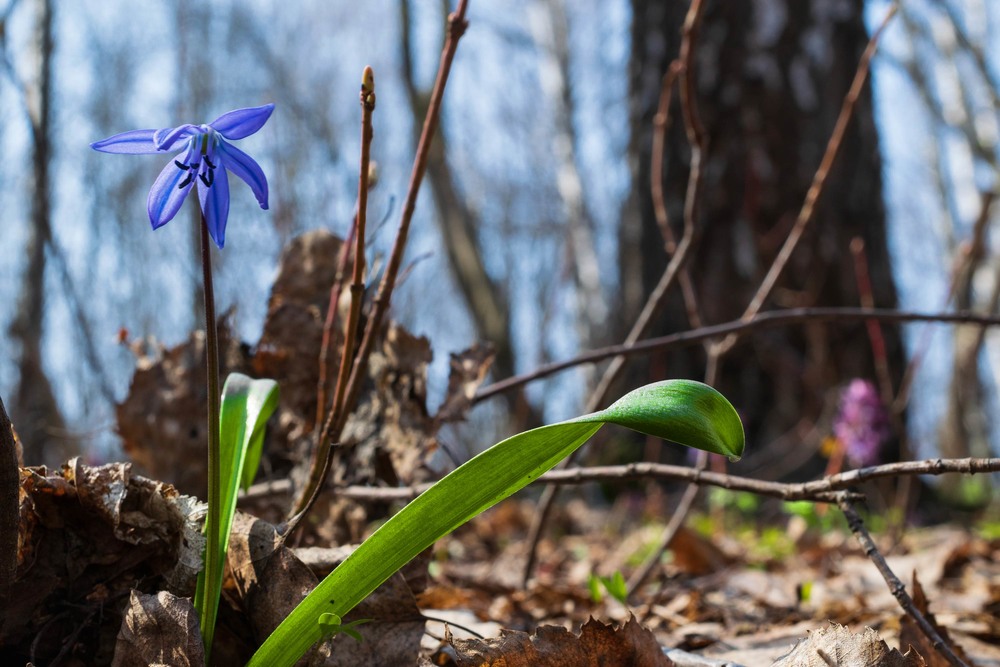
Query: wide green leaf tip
{"points": [[687, 412]]}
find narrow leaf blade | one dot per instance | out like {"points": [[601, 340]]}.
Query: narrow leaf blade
{"points": [[468, 490], [246, 406], [689, 413]]}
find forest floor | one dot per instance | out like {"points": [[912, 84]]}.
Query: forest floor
{"points": [[729, 590]]}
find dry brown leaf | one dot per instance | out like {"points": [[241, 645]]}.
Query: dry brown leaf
{"points": [[911, 635], [159, 630], [392, 636], [468, 370], [86, 535], [289, 347], [391, 427], [695, 555], [269, 578], [550, 646], [837, 645], [163, 419]]}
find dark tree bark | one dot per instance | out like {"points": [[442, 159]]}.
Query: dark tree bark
{"points": [[34, 408], [770, 79]]}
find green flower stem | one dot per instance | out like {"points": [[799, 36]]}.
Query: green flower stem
{"points": [[209, 609]]}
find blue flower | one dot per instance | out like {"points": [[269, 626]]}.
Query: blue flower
{"points": [[204, 158]]}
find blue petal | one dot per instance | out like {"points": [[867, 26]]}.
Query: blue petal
{"points": [[242, 122], [215, 204], [133, 142], [247, 169], [167, 195], [168, 139]]}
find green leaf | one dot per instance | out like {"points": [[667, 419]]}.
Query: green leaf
{"points": [[594, 584], [616, 586], [246, 406], [698, 416], [689, 413]]}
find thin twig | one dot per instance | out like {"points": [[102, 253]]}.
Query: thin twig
{"points": [[323, 450], [862, 276], [767, 320], [677, 519], [866, 297], [697, 137], [895, 585], [808, 209], [661, 121], [358, 282], [819, 490], [335, 421]]}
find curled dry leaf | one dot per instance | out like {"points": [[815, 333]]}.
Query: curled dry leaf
{"points": [[837, 645], [86, 535], [597, 644], [467, 371], [160, 629]]}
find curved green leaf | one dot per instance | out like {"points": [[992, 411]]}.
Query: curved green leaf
{"points": [[698, 416], [690, 413], [246, 406]]}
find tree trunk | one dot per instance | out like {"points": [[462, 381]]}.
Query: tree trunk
{"points": [[483, 296], [770, 78]]}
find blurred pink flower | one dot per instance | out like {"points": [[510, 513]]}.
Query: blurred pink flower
{"points": [[862, 423]]}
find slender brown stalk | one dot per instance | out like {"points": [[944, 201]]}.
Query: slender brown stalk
{"points": [[862, 276], [767, 320], [336, 420], [324, 448], [358, 281], [677, 519], [895, 585], [212, 555], [866, 297], [331, 317], [456, 28], [808, 210], [661, 121], [697, 138]]}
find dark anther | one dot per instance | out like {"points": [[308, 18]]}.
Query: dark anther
{"points": [[181, 165], [187, 179], [208, 162], [208, 179]]}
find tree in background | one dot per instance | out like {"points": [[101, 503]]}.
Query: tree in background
{"points": [[769, 80], [520, 208]]}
